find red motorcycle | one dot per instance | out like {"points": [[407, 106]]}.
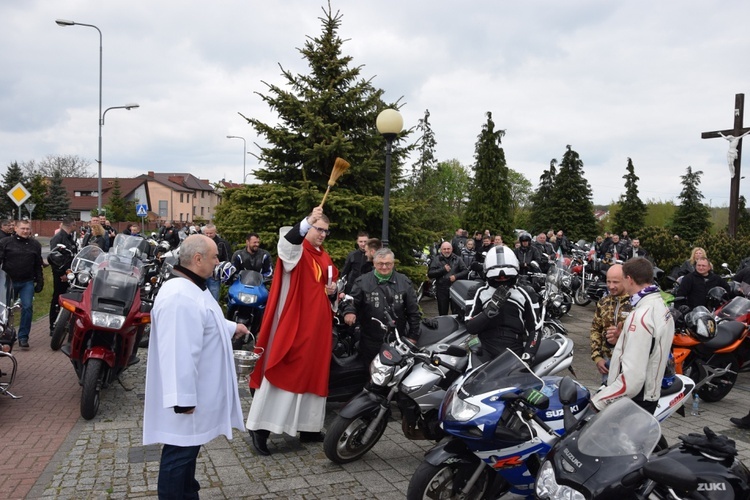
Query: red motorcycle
{"points": [[109, 318]]}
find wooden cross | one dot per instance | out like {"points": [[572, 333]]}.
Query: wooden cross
{"points": [[734, 157]]}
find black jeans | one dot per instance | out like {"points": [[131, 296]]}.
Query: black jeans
{"points": [[177, 472], [58, 287]]}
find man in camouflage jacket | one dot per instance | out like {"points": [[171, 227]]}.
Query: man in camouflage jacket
{"points": [[611, 311]]}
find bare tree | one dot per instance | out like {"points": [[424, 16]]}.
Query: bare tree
{"points": [[66, 165]]}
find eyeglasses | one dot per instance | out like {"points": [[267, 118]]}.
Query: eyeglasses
{"points": [[384, 264], [322, 231]]}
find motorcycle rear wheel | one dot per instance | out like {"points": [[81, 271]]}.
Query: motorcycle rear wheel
{"points": [[445, 480], [343, 441], [94, 370], [60, 330], [722, 384], [580, 297]]}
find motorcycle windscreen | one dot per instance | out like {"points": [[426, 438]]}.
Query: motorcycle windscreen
{"points": [[84, 260], [738, 307], [506, 370], [621, 429], [6, 299], [251, 278], [113, 292]]}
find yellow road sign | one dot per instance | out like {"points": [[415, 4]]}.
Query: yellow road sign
{"points": [[19, 194]]}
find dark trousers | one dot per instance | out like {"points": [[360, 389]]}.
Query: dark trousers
{"points": [[443, 298], [177, 472], [58, 287]]}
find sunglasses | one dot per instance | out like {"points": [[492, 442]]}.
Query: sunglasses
{"points": [[322, 231]]}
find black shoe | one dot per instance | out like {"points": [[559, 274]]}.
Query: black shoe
{"points": [[743, 422], [311, 437], [260, 438], [24, 343]]}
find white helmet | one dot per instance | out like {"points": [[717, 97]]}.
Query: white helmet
{"points": [[224, 272], [500, 262]]}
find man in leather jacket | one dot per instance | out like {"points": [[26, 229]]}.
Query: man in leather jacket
{"points": [[694, 287], [526, 254], [252, 257], [446, 268], [376, 294], [546, 250], [356, 263], [65, 236]]}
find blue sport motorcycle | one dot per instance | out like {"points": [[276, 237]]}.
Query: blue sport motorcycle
{"points": [[246, 301]]}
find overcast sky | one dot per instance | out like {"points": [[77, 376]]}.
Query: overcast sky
{"points": [[613, 79]]}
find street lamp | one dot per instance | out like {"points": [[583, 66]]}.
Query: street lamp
{"points": [[244, 148], [389, 123]]}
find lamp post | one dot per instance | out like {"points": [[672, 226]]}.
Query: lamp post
{"points": [[389, 124], [244, 148]]}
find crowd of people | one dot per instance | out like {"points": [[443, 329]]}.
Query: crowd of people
{"points": [[191, 395]]}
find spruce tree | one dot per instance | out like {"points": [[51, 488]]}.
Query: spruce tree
{"points": [[12, 176], [118, 209], [490, 204], [39, 196], [571, 199], [631, 215], [329, 112], [692, 217], [58, 205], [542, 208]]}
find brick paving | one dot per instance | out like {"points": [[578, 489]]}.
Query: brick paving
{"points": [[51, 453]]}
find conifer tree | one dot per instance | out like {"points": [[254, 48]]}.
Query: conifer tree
{"points": [[329, 112], [39, 196], [692, 218], [12, 176], [118, 209], [489, 205], [631, 215], [58, 205], [542, 208], [571, 199]]}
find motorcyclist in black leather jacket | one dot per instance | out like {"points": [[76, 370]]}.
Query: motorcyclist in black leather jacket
{"points": [[252, 257]]}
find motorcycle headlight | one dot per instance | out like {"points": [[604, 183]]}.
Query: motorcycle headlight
{"points": [[84, 278], [547, 488], [566, 280], [380, 374], [457, 409], [107, 320], [247, 298]]}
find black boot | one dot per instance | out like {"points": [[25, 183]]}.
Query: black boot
{"points": [[311, 437], [743, 422], [260, 438]]}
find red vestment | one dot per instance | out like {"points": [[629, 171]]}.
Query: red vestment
{"points": [[300, 356]]}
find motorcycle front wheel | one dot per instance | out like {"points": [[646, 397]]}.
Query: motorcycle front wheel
{"points": [[580, 297], [60, 330], [343, 442], [94, 370], [446, 481]]}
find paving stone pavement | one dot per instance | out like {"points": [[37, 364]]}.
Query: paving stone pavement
{"points": [[54, 454]]}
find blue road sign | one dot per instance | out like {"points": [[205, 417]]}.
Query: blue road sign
{"points": [[141, 210]]}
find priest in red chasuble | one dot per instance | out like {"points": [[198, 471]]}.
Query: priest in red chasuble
{"points": [[291, 377]]}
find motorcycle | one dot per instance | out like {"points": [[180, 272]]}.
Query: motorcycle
{"points": [[611, 457], [427, 287], [501, 419], [79, 277], [8, 307], [578, 268], [417, 378], [109, 318], [246, 301], [706, 350]]}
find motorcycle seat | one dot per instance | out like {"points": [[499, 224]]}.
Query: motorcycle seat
{"points": [[445, 326], [727, 332], [672, 389], [547, 349]]}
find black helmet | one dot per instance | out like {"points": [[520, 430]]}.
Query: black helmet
{"points": [[701, 324], [716, 297], [524, 237], [678, 317], [60, 258]]}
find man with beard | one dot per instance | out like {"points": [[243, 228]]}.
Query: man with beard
{"points": [[252, 257]]}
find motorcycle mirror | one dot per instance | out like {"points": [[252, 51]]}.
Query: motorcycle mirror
{"points": [[671, 473], [568, 391], [725, 265]]}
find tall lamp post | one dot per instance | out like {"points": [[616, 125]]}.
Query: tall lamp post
{"points": [[244, 149], [389, 123], [65, 22]]}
